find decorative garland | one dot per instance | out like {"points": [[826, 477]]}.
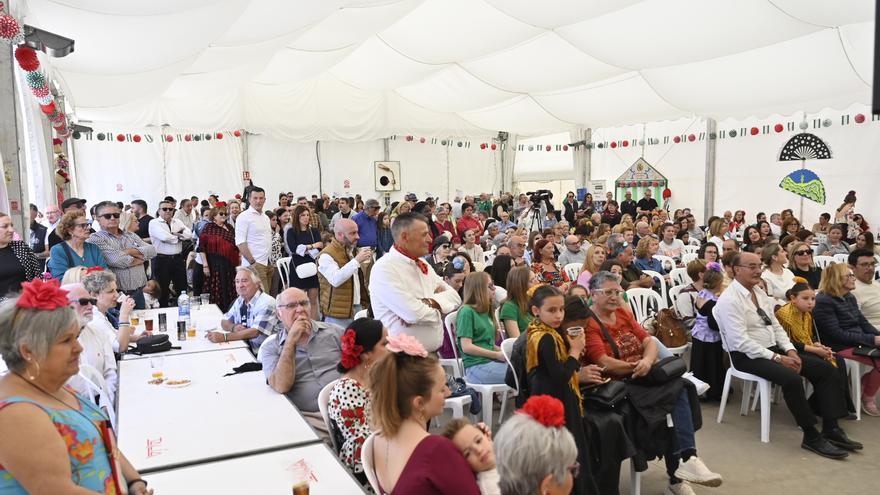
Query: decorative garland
{"points": [[149, 138]]}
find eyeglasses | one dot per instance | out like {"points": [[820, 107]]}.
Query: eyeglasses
{"points": [[804, 252], [167, 209], [752, 266], [608, 292], [82, 225], [574, 469], [766, 319], [850, 275], [85, 301], [108, 216], [294, 304]]}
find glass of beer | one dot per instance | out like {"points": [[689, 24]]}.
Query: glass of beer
{"points": [[191, 331], [135, 319], [148, 324], [157, 364], [301, 488]]}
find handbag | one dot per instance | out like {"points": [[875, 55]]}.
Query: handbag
{"points": [[669, 329], [309, 268], [605, 395], [661, 372], [865, 351]]}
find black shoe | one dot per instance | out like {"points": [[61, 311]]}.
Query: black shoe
{"points": [[838, 438], [822, 447]]}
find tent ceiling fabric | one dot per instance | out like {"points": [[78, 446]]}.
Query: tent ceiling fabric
{"points": [[353, 70]]}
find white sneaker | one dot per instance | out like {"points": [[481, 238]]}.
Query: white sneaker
{"points": [[695, 471], [682, 488], [702, 387]]}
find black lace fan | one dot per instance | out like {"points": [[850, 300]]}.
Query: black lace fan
{"points": [[804, 146]]}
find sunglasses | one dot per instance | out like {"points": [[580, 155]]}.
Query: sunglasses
{"points": [[766, 319], [803, 252], [221, 214], [167, 209], [108, 216], [85, 301]]}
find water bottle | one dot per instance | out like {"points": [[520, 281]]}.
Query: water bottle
{"points": [[183, 307]]}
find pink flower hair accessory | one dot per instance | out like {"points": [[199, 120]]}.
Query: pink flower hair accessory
{"points": [[714, 266], [406, 344]]}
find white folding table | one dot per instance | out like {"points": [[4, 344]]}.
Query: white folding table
{"points": [[214, 417], [205, 317], [273, 472]]}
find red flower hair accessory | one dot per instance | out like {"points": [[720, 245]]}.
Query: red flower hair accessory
{"points": [[351, 352], [94, 269], [546, 410], [44, 296]]}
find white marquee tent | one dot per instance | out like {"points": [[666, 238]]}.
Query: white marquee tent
{"points": [[349, 73]]}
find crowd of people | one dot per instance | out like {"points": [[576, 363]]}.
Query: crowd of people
{"points": [[349, 294]]}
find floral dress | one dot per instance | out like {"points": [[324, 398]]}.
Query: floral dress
{"points": [[349, 409], [89, 461], [555, 278]]}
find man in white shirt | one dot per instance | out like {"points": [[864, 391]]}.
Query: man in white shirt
{"points": [[253, 236], [252, 316], [167, 235], [184, 214], [776, 224], [573, 252], [405, 294], [759, 345], [53, 215], [867, 290], [342, 275], [97, 346]]}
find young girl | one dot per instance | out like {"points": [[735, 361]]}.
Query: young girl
{"points": [[552, 363], [515, 314], [475, 445], [475, 329], [707, 355]]}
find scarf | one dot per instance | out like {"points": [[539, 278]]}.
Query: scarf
{"points": [[219, 241], [538, 329], [799, 326], [419, 262]]}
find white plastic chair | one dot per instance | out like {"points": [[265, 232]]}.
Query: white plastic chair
{"points": [[763, 389], [666, 261], [644, 303], [662, 280], [507, 350], [673, 295], [823, 261], [367, 461], [855, 370], [486, 390], [690, 248], [841, 258], [688, 257], [361, 314], [452, 364], [283, 265], [97, 386], [572, 270], [679, 276], [323, 402]]}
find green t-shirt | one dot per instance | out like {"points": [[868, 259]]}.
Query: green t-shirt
{"points": [[480, 329], [510, 311]]}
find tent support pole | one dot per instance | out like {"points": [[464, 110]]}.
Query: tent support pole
{"points": [[582, 157], [709, 195], [10, 168]]}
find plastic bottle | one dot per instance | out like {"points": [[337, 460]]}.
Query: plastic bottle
{"points": [[183, 307]]}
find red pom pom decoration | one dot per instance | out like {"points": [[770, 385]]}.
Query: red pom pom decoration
{"points": [[188, 138], [548, 148], [655, 183], [219, 135], [692, 138], [859, 118], [778, 128], [169, 138], [120, 137], [625, 143], [493, 146], [41, 92], [9, 27], [614, 144], [754, 131], [409, 138], [564, 147], [546, 410], [422, 140], [238, 196], [667, 193], [676, 139], [483, 146], [27, 58], [136, 138], [43, 296]]}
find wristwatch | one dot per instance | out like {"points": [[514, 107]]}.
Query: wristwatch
{"points": [[777, 358]]}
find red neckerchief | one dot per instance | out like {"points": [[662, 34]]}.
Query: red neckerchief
{"points": [[420, 262]]}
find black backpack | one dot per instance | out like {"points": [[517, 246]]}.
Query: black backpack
{"points": [[151, 344]]}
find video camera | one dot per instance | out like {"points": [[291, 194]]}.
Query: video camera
{"points": [[541, 195]]}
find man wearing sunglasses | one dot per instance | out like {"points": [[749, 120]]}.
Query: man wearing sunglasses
{"points": [[867, 291], [97, 347], [167, 235], [758, 344], [124, 251]]}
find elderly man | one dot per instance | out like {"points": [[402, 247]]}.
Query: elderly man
{"points": [[867, 291], [573, 252], [53, 215], [253, 236], [251, 316], [646, 204], [517, 245], [643, 229], [628, 206], [139, 209], [301, 358], [632, 275], [776, 225], [504, 223], [97, 347], [342, 274], [69, 204], [344, 212], [185, 213], [124, 251], [367, 224], [167, 235], [406, 295], [759, 345], [729, 245]]}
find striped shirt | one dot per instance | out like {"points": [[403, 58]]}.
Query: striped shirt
{"points": [[113, 248]]}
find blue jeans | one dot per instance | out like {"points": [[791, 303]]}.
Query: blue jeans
{"points": [[487, 373]]}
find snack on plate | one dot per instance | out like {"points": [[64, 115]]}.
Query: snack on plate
{"points": [[156, 381], [177, 382]]}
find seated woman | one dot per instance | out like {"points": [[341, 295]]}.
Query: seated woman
{"points": [[718, 228], [476, 328], [545, 266], [407, 389], [707, 355], [102, 286], [834, 244], [20, 264], [363, 344], [73, 228], [685, 304], [708, 252], [634, 352], [501, 266], [670, 246], [51, 440], [594, 259], [471, 248], [534, 453], [842, 327], [800, 263], [645, 251], [776, 276], [438, 258], [865, 240], [752, 239], [515, 314]]}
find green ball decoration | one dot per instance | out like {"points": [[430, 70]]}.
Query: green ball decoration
{"points": [[101, 136], [207, 137], [77, 134], [197, 137], [732, 133], [443, 142], [36, 79]]}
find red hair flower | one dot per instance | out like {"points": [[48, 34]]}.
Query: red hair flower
{"points": [[546, 410], [94, 269], [45, 296], [351, 352]]}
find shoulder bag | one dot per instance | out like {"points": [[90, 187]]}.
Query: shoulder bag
{"points": [[662, 371], [309, 268], [669, 329]]}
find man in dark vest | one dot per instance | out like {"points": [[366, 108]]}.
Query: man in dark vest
{"points": [[343, 275]]}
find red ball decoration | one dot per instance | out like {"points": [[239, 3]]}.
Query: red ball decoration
{"points": [[676, 139], [48, 108], [493, 146], [169, 138], [483, 146], [778, 128], [120, 137], [655, 183], [859, 118], [236, 133], [27, 58], [409, 138], [136, 138], [564, 147], [614, 144], [633, 184], [691, 138], [41, 92], [548, 147], [188, 138], [9, 27], [625, 143], [219, 135], [754, 131], [422, 140]]}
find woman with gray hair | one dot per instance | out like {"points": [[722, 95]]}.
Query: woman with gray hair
{"points": [[51, 440], [101, 285], [534, 452]]}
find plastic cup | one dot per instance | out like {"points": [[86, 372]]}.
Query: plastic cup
{"points": [[206, 299]]}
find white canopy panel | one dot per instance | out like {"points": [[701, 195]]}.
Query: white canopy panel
{"points": [[353, 70]]}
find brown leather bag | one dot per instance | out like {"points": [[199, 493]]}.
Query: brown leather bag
{"points": [[669, 329]]}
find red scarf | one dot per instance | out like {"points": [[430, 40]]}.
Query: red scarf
{"points": [[420, 262]]}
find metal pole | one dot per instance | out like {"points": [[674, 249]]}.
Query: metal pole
{"points": [[709, 194], [9, 143]]}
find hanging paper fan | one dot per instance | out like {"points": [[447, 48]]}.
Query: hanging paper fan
{"points": [[804, 183], [804, 146]]}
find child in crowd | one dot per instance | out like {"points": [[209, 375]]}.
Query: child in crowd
{"points": [[152, 292], [475, 444], [707, 355]]}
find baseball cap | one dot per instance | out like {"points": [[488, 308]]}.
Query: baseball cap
{"points": [[72, 202]]}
